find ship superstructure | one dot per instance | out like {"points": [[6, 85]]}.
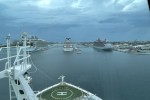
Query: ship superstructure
{"points": [[68, 46], [102, 45], [19, 81], [37, 44]]}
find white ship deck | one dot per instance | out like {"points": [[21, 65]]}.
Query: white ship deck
{"points": [[66, 91]]}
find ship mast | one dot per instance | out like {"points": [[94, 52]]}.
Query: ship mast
{"points": [[19, 88], [8, 51], [8, 64], [62, 79], [25, 46]]}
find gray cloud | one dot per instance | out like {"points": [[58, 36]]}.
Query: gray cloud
{"points": [[82, 18]]}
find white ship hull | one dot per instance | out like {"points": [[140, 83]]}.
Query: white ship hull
{"points": [[68, 49]]}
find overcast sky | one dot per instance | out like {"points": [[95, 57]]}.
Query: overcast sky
{"points": [[82, 20]]}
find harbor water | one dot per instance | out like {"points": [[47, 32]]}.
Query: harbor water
{"points": [[109, 75]]}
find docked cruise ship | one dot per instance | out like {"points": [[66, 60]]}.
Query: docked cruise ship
{"points": [[36, 44], [19, 80], [102, 45], [68, 46]]}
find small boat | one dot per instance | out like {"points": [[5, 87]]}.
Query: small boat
{"points": [[142, 52], [79, 52]]}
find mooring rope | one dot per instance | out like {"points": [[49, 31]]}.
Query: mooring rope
{"points": [[43, 73]]}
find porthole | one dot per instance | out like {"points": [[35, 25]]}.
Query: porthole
{"points": [[21, 91], [17, 82]]}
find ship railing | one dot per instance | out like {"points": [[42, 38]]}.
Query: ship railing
{"points": [[21, 59], [85, 97], [7, 58], [88, 97], [18, 57]]}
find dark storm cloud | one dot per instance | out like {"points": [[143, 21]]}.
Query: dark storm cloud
{"points": [[85, 20]]}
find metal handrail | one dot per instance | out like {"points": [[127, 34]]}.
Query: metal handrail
{"points": [[21, 59]]}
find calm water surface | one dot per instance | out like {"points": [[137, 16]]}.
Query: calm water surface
{"points": [[110, 75]]}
